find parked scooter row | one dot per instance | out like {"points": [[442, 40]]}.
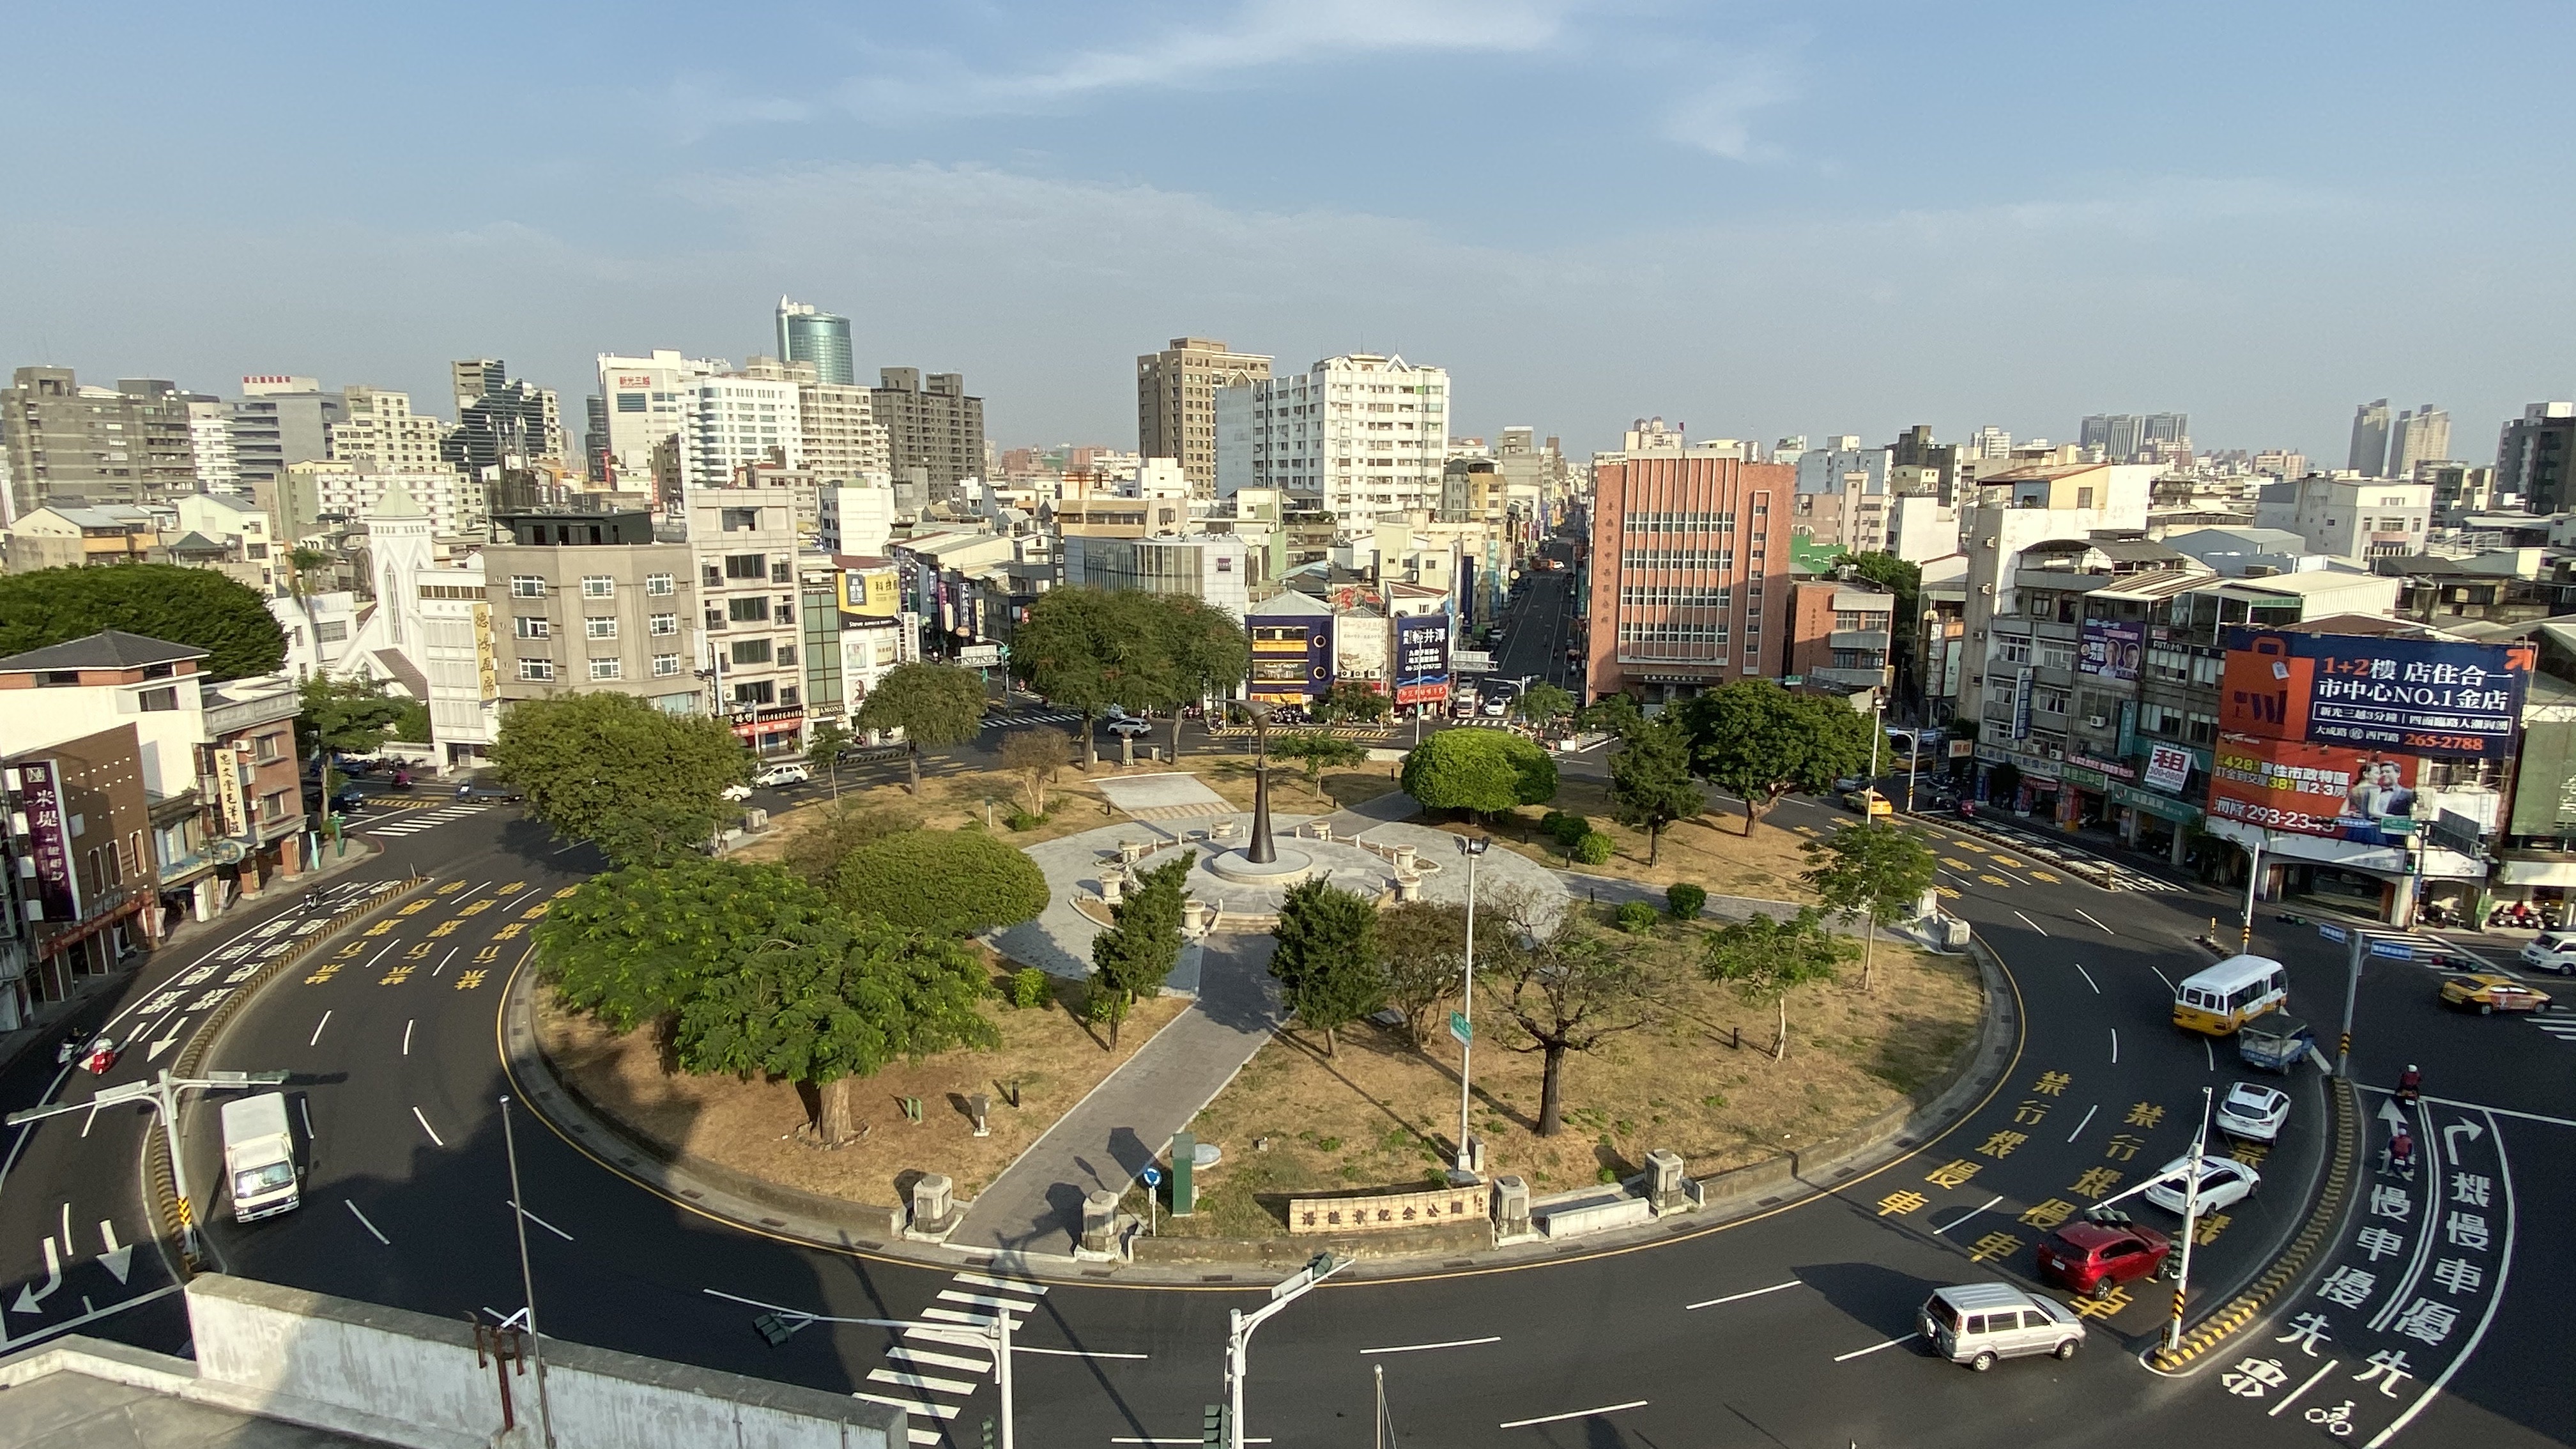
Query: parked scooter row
{"points": [[2520, 915]]}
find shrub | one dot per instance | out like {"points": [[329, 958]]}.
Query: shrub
{"points": [[1636, 918], [1566, 830], [1028, 987], [953, 882], [1023, 820], [1594, 848], [1684, 900]]}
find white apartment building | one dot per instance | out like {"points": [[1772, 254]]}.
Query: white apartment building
{"points": [[455, 504], [744, 543], [2349, 518], [210, 437], [229, 519], [646, 401], [855, 519], [381, 431], [1212, 567], [731, 420], [1358, 435], [2013, 511], [843, 441]]}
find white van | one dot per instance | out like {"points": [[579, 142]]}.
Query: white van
{"points": [[1979, 1323]]}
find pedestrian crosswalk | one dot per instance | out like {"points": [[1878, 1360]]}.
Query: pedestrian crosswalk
{"points": [[1060, 716], [2559, 1024], [931, 1373], [415, 821]]}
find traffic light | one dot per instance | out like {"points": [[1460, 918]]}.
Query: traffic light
{"points": [[1214, 1423]]}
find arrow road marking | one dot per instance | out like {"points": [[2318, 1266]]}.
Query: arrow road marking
{"points": [[166, 1042], [2389, 1114], [119, 1257], [29, 1296], [2453, 1148]]}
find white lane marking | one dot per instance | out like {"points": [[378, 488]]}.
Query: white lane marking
{"points": [[986, 1300], [913, 1406], [1577, 1414], [304, 1108], [1075, 1353], [2490, 1111], [425, 1127], [317, 1029], [68, 1250], [2027, 921], [2495, 1300], [2161, 976], [2293, 1396], [1178, 1441], [2088, 978], [540, 1222], [1963, 1217], [443, 960], [1713, 1302], [2115, 1046], [1012, 1285], [909, 1354], [362, 1222], [936, 1385], [2209, 1052], [1875, 1347], [407, 1025], [1426, 1347], [2432, 1155], [2088, 915]]}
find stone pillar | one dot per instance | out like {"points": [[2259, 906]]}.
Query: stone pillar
{"points": [[1100, 1222], [934, 1204], [1664, 1180], [1511, 1205], [1112, 882]]}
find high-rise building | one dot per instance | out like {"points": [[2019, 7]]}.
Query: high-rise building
{"points": [[820, 338], [2281, 463], [2369, 455], [643, 405], [2533, 456], [126, 444], [1176, 391], [744, 542], [380, 432], [594, 601], [2133, 437], [844, 442], [735, 420], [934, 431], [1358, 436], [281, 420], [1684, 559], [210, 439], [502, 423], [2419, 435]]}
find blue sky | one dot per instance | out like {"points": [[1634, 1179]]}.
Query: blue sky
{"points": [[1761, 219]]}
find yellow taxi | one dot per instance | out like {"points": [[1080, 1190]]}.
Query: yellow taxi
{"points": [[2487, 993], [1871, 804]]}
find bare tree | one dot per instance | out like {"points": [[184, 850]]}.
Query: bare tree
{"points": [[1567, 987], [1036, 756]]}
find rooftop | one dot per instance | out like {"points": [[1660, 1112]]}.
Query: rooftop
{"points": [[107, 649]]}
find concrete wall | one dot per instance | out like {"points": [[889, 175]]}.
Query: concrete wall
{"points": [[287, 1346]]}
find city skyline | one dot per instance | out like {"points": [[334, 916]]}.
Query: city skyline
{"points": [[1629, 213]]}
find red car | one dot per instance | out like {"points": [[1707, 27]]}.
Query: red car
{"points": [[2097, 1256]]}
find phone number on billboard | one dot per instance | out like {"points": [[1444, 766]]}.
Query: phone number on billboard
{"points": [[2265, 815]]}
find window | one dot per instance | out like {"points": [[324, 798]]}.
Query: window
{"points": [[756, 692], [527, 586], [331, 631], [157, 700], [2200, 729], [598, 586], [605, 669], [659, 585], [740, 520], [747, 611], [272, 806], [256, 550], [265, 747], [746, 565], [786, 653], [751, 651], [600, 628], [536, 669], [665, 665], [535, 626], [787, 694], [630, 402], [662, 625]]}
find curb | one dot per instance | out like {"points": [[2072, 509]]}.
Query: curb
{"points": [[2324, 1217], [169, 1217]]}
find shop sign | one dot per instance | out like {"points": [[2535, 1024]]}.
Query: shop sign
{"points": [[2107, 768], [2168, 767], [2084, 777], [58, 892], [2021, 703], [232, 812], [487, 669], [1422, 658], [2332, 791], [2033, 768], [2163, 807], [2422, 696]]}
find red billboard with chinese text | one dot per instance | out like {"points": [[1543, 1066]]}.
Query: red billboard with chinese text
{"points": [[2332, 791]]}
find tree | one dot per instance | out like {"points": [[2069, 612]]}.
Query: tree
{"points": [[1875, 869], [345, 717], [302, 562], [1421, 949], [1765, 958], [635, 944], [1480, 770], [1543, 704], [1142, 944], [611, 769], [1757, 740], [1084, 650], [196, 607], [834, 1008], [1317, 749], [1326, 960], [1353, 700], [1208, 654], [824, 838], [1615, 714], [1568, 989], [1036, 755], [935, 705], [823, 747], [947, 882], [1651, 785]]}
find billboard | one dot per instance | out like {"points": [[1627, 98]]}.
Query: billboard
{"points": [[1422, 658], [2334, 791], [2420, 696], [57, 895], [2111, 648], [871, 593], [2168, 767]]}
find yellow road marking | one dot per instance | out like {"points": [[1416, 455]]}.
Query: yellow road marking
{"points": [[2043, 875], [1995, 880]]}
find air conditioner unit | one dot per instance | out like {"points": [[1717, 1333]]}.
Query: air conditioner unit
{"points": [[2095, 721]]}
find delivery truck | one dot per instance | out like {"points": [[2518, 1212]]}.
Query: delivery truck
{"points": [[259, 1157]]}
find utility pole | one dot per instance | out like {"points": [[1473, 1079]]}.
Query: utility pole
{"points": [[1238, 1343], [527, 1277], [1473, 847], [162, 1093], [2253, 885], [2190, 1224]]}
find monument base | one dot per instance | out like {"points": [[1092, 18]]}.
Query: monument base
{"points": [[1288, 868]]}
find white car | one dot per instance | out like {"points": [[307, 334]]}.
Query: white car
{"points": [[1129, 725], [736, 792], [783, 773], [2253, 1111], [2224, 1181], [2552, 951], [1497, 708]]}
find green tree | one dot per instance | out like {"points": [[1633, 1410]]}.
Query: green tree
{"points": [[1757, 740], [1651, 785], [1484, 771], [196, 607], [1037, 756], [1543, 704], [947, 882], [1875, 869], [345, 717], [1326, 959], [1143, 943], [835, 1008], [935, 705], [1567, 988], [824, 837], [1085, 649], [1615, 714], [611, 769], [635, 944], [1318, 750], [1352, 700], [1208, 654], [823, 747], [1765, 958], [303, 564], [1422, 949]]}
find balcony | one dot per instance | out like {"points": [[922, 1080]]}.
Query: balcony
{"points": [[1853, 678], [1874, 640]]}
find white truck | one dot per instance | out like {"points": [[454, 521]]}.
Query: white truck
{"points": [[259, 1157]]}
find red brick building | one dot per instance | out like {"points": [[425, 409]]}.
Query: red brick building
{"points": [[1840, 631], [1689, 574]]}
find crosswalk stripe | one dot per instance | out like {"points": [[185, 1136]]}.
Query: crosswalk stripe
{"points": [[903, 1380], [912, 1406], [1012, 1285], [951, 1315], [909, 1354], [986, 1300], [922, 1436]]}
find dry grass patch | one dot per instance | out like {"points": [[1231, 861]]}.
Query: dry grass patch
{"points": [[1711, 852], [751, 1125], [1383, 1115]]}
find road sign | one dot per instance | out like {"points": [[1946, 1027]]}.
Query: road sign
{"points": [[980, 656], [1461, 1028], [1153, 1177], [2393, 950], [2331, 933]]}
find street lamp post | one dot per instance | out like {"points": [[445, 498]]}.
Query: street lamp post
{"points": [[162, 1092], [2190, 1212], [1238, 1341], [1473, 847], [2253, 884]]}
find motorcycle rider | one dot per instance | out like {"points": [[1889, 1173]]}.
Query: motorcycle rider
{"points": [[2410, 1084], [2400, 1153]]}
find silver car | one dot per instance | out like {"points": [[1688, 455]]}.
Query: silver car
{"points": [[1978, 1323]]}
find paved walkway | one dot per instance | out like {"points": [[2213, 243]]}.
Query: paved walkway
{"points": [[1035, 1206]]}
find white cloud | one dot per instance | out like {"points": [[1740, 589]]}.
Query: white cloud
{"points": [[1714, 117]]}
